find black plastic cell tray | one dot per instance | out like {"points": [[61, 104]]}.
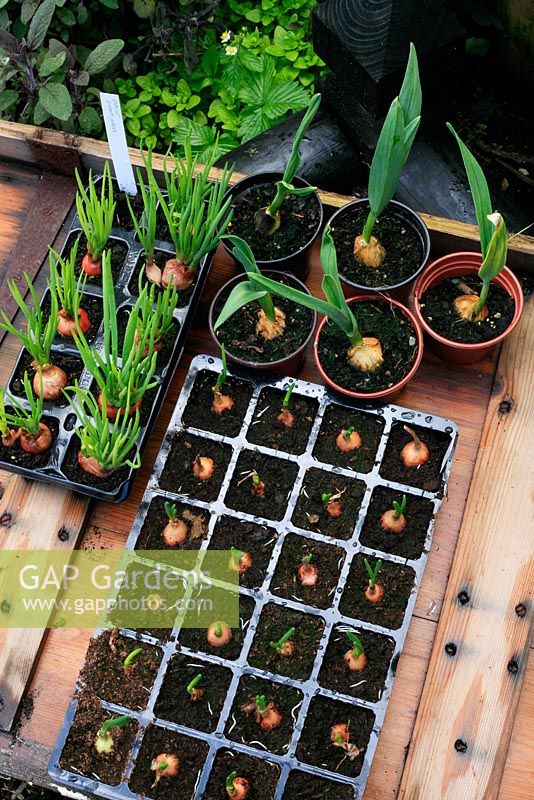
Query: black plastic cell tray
{"points": [[52, 471], [264, 595]]}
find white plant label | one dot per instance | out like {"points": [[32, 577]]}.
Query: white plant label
{"points": [[124, 173]]}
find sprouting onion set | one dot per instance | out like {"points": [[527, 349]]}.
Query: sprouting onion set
{"points": [[304, 583]]}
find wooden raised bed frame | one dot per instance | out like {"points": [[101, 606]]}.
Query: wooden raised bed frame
{"points": [[483, 534]]}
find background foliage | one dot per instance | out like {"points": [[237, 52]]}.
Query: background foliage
{"points": [[221, 71]]}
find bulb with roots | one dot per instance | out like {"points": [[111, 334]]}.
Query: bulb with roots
{"points": [[203, 467], [221, 402], [270, 329], [175, 532], [266, 715], [10, 436], [92, 266], [66, 325], [339, 736], [367, 356], [307, 573], [348, 440], [112, 412], [286, 417], [53, 378], [237, 787], [465, 307], [369, 254], [219, 634], [36, 444], [181, 276], [90, 465], [415, 453], [374, 593]]}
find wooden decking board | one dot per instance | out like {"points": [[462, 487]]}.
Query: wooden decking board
{"points": [[472, 697]]}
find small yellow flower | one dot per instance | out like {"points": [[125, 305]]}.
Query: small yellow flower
{"points": [[226, 36], [231, 50]]}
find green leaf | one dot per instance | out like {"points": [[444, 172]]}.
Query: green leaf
{"points": [[173, 118], [8, 98], [40, 115], [81, 79], [410, 93], [28, 9], [51, 64], [388, 159], [241, 295], [479, 191], [495, 257], [110, 3], [55, 98], [90, 121], [99, 58], [40, 23]]}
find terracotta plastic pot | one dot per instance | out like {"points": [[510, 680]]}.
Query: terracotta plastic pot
{"points": [[453, 266], [296, 262], [399, 291], [392, 390], [290, 364]]}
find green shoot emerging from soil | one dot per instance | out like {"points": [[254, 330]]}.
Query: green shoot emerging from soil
{"points": [[392, 150], [268, 219], [258, 486], [399, 508], [104, 740], [69, 290], [170, 510], [237, 555], [493, 240], [287, 396], [266, 714], [37, 339], [145, 227], [240, 561], [96, 218], [357, 646], [236, 787], [284, 646], [104, 448], [129, 662], [193, 689], [286, 417], [271, 320], [197, 215], [393, 519], [221, 402], [123, 373], [365, 352], [307, 572], [372, 573]]}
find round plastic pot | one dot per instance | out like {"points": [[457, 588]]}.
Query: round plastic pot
{"points": [[391, 390], [399, 291], [290, 364], [453, 266], [296, 262]]}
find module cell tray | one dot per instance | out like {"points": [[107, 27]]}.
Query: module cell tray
{"points": [[314, 689], [59, 464]]}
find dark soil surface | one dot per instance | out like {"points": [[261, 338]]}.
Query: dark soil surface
{"points": [[315, 745], [195, 638], [70, 364], [93, 306], [257, 540], [76, 474], [156, 741], [119, 251], [438, 310], [175, 704], [404, 250], [338, 418], [366, 684], [199, 412], [238, 334], [398, 582], [177, 475], [164, 355], [399, 348], [310, 511], [265, 429], [261, 775], [16, 789], [150, 537], [274, 622], [328, 560], [428, 475], [303, 785], [299, 218], [409, 543], [16, 455], [79, 754], [160, 257], [242, 727], [277, 474], [104, 672]]}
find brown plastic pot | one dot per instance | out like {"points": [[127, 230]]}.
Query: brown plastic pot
{"points": [[399, 291], [392, 390], [455, 265], [290, 364]]}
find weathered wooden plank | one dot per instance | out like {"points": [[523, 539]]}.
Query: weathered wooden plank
{"points": [[470, 697], [18, 142], [33, 516], [518, 776]]}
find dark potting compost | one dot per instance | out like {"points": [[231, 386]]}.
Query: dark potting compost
{"points": [[326, 559], [315, 512], [246, 537], [267, 429], [199, 412], [340, 418], [151, 536], [262, 776], [277, 474], [398, 583], [428, 476], [409, 543]]}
